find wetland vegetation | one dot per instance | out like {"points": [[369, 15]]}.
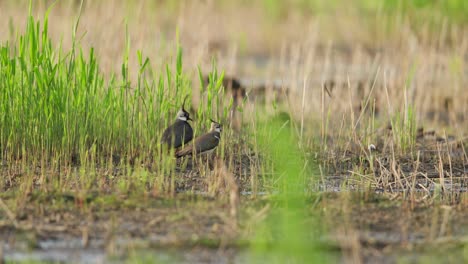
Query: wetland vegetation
{"points": [[344, 131]]}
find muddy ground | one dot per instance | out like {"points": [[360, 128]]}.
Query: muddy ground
{"points": [[193, 229], [408, 211]]}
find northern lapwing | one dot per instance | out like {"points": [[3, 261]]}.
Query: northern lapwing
{"points": [[205, 143], [180, 132]]}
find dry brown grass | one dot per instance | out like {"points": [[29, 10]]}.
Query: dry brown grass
{"points": [[315, 49]]}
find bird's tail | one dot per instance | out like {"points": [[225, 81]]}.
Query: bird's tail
{"points": [[183, 152]]}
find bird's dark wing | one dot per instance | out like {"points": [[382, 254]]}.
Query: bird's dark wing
{"points": [[188, 133], [176, 134], [207, 142], [202, 143], [167, 135]]}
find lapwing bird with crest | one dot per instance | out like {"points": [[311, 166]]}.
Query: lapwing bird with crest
{"points": [[180, 132], [203, 144]]}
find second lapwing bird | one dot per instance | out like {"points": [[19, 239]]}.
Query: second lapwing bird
{"points": [[180, 132], [204, 143]]}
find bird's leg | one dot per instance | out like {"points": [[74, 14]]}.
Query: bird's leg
{"points": [[188, 164], [211, 158]]}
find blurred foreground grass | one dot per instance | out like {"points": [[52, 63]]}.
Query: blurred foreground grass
{"points": [[290, 233]]}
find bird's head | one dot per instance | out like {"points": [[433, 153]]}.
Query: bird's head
{"points": [[183, 114], [215, 126]]}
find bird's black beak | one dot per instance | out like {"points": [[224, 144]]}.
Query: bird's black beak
{"points": [[188, 118]]}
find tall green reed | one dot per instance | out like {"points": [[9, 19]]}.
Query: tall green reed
{"points": [[58, 109], [57, 103]]}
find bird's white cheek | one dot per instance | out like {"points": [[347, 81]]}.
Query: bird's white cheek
{"points": [[183, 118]]}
